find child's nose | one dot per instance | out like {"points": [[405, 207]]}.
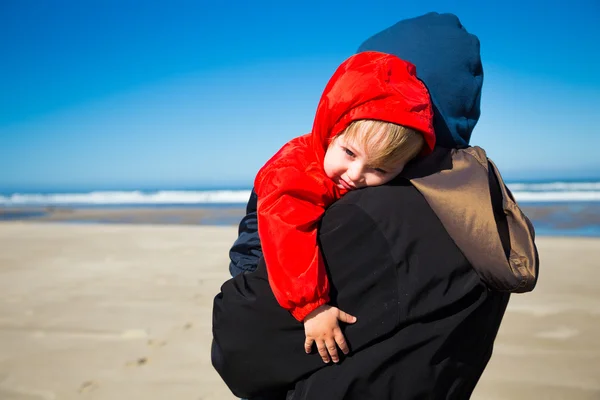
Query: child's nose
{"points": [[355, 173]]}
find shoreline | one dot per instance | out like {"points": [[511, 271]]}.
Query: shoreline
{"points": [[127, 215], [549, 220]]}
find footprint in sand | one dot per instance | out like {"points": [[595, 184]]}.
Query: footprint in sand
{"points": [[137, 363], [88, 386]]}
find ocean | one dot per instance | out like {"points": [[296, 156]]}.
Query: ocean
{"points": [[556, 208]]}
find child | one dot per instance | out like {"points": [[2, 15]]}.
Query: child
{"points": [[373, 117]]}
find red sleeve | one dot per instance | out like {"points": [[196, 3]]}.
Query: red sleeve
{"points": [[292, 197]]}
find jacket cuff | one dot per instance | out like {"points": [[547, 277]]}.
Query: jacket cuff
{"points": [[301, 312]]}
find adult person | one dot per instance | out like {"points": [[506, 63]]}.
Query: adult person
{"points": [[426, 262]]}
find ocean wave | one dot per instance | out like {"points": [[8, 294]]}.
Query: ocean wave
{"points": [[129, 197], [554, 186], [523, 192], [573, 196], [555, 191]]}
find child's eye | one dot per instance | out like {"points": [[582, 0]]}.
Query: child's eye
{"points": [[381, 171], [349, 152]]}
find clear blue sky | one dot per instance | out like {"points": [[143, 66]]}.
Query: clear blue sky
{"points": [[123, 94]]}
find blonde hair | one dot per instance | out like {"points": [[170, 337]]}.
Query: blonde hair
{"points": [[386, 144]]}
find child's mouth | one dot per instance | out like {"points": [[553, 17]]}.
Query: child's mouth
{"points": [[344, 185]]}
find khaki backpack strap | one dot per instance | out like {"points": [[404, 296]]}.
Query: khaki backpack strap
{"points": [[461, 199]]}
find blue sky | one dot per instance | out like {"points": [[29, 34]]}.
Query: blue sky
{"points": [[123, 94]]}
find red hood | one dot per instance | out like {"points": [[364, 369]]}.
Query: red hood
{"points": [[373, 85]]}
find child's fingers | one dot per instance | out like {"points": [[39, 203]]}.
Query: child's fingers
{"points": [[308, 344], [341, 341], [332, 349], [323, 351], [347, 318]]}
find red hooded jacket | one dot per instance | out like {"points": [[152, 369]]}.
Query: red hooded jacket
{"points": [[293, 190]]}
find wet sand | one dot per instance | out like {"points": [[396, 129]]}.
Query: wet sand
{"points": [[124, 312], [579, 218], [129, 215]]}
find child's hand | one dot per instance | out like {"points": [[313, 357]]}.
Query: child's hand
{"points": [[321, 326]]}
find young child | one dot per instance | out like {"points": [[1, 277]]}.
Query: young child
{"points": [[373, 117]]}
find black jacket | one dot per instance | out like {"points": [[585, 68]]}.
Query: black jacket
{"points": [[426, 319]]}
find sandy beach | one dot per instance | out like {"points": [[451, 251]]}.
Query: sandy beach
{"points": [[110, 311], [129, 215]]}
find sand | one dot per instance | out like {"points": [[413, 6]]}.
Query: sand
{"points": [[129, 215], [124, 312]]}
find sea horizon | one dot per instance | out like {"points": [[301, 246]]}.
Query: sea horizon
{"points": [[565, 207], [524, 190]]}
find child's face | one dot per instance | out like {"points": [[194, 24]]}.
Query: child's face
{"points": [[346, 164]]}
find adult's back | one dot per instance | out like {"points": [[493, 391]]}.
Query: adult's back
{"points": [[427, 318]]}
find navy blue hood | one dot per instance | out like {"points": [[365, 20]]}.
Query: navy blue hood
{"points": [[448, 62]]}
